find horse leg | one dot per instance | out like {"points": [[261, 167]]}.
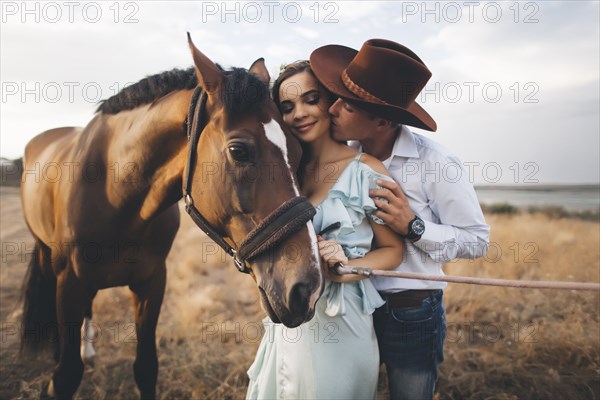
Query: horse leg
{"points": [[71, 299], [147, 298], [88, 335]]}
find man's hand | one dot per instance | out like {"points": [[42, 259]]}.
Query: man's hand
{"points": [[395, 213]]}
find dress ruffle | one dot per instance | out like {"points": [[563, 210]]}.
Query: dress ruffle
{"points": [[336, 304], [348, 203], [335, 355]]}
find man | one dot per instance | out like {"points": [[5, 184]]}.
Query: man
{"points": [[436, 211]]}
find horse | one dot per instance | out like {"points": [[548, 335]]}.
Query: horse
{"points": [[102, 205]]}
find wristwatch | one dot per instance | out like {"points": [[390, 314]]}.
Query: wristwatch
{"points": [[416, 228]]}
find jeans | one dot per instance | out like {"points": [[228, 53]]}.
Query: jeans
{"points": [[411, 344]]}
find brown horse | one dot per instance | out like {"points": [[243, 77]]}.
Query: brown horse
{"points": [[101, 202]]}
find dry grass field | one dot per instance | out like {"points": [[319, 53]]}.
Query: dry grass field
{"points": [[502, 343]]}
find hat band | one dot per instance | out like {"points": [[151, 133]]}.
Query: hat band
{"points": [[359, 91]]}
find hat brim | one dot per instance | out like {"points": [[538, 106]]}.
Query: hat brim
{"points": [[328, 63]]}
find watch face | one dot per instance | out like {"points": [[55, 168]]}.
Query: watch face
{"points": [[418, 227]]}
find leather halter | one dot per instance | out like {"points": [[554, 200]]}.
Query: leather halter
{"points": [[286, 219]]}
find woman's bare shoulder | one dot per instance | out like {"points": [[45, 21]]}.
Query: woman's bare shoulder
{"points": [[374, 163], [343, 155]]}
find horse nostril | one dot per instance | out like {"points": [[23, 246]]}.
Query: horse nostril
{"points": [[299, 299]]}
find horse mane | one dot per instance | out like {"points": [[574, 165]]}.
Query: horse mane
{"points": [[149, 89], [243, 92]]}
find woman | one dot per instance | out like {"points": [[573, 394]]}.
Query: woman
{"points": [[334, 355]]}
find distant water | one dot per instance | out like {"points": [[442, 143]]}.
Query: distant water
{"points": [[571, 198]]}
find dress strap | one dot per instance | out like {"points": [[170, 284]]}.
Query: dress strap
{"points": [[358, 156]]}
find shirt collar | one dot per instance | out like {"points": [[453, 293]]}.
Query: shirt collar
{"points": [[405, 144]]}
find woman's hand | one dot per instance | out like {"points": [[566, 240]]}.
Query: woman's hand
{"points": [[331, 252]]}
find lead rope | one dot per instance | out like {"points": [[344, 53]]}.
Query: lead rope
{"points": [[341, 269]]}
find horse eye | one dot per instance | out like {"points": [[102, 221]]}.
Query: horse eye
{"points": [[239, 152]]}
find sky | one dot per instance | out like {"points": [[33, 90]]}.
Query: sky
{"points": [[515, 88]]}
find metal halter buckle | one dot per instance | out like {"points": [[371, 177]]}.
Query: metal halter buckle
{"points": [[239, 264]]}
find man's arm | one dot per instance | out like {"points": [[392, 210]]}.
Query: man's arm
{"points": [[461, 231]]}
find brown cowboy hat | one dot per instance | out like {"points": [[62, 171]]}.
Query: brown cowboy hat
{"points": [[383, 78]]}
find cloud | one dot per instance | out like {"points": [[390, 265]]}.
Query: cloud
{"points": [[554, 53], [305, 32], [282, 52], [351, 11], [559, 53]]}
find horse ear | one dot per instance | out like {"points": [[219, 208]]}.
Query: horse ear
{"points": [[259, 69], [209, 75]]}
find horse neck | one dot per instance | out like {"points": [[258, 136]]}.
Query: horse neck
{"points": [[149, 149]]}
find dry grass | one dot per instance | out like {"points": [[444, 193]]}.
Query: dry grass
{"points": [[502, 343], [514, 343]]}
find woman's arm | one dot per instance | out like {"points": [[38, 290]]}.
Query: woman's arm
{"points": [[387, 246], [387, 253]]}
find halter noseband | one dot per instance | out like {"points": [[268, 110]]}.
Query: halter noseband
{"points": [[272, 231]]}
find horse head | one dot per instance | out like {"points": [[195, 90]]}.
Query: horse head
{"points": [[244, 171]]}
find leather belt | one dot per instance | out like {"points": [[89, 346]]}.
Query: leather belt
{"points": [[407, 298]]}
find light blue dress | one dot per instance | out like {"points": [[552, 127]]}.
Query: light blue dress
{"points": [[334, 355]]}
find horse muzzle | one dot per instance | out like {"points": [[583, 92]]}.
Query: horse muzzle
{"points": [[297, 309], [289, 291]]}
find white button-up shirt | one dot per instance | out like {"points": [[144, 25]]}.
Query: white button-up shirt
{"points": [[439, 192]]}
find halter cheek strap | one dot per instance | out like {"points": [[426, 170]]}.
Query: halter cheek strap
{"points": [[285, 220]]}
